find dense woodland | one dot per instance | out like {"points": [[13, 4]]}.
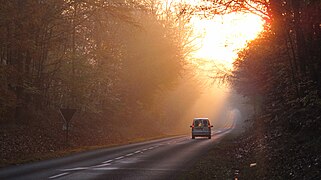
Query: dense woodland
{"points": [[120, 63], [280, 74], [90, 55]]}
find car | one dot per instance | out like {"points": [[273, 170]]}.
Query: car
{"points": [[201, 127]]}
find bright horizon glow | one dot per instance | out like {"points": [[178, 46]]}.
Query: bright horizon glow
{"points": [[219, 39], [222, 37], [217, 42]]}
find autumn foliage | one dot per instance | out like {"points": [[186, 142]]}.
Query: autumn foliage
{"points": [[280, 73], [113, 61]]}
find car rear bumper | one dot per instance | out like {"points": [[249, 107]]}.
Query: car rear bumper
{"points": [[203, 133]]}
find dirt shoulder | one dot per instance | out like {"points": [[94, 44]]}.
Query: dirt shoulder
{"points": [[249, 156], [222, 162]]}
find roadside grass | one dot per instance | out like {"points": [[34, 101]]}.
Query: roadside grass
{"points": [[218, 163], [72, 150]]}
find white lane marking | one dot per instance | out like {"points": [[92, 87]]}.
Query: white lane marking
{"points": [[58, 175], [101, 165], [106, 168], [120, 157], [108, 161], [75, 169]]}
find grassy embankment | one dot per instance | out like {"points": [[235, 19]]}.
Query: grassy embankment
{"points": [[224, 162]]}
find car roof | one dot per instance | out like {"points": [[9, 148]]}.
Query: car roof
{"points": [[200, 118]]}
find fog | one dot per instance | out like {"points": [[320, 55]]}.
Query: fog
{"points": [[125, 63], [211, 104], [224, 109]]}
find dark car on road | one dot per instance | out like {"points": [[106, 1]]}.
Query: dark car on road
{"points": [[201, 127]]}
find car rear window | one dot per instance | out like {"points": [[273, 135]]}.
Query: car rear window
{"points": [[205, 122], [200, 122]]}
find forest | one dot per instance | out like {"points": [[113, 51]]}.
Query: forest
{"points": [[118, 63], [280, 74], [124, 66]]}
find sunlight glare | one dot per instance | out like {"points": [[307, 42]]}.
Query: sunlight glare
{"points": [[221, 38]]}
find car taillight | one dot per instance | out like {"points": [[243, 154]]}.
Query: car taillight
{"points": [[192, 125]]}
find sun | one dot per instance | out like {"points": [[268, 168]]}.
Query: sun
{"points": [[221, 38], [218, 39]]}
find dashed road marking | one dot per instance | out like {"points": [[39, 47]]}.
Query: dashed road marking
{"points": [[108, 161], [58, 175], [75, 169], [120, 157], [101, 165]]}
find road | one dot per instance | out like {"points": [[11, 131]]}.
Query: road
{"points": [[157, 159]]}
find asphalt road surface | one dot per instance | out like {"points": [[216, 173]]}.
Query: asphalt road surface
{"points": [[158, 159]]}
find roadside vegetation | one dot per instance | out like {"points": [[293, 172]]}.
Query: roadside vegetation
{"points": [[123, 65], [113, 61], [280, 75]]}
